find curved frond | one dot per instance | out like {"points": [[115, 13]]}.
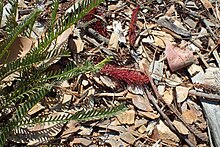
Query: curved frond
{"points": [[70, 72], [28, 61], [55, 7], [11, 17], [16, 31], [37, 54], [66, 22], [80, 116], [1, 10], [26, 93], [21, 112], [98, 113]]}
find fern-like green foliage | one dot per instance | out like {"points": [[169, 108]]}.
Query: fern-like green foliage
{"points": [[79, 116], [11, 17], [35, 96], [1, 10], [16, 31], [32, 81], [54, 14]]}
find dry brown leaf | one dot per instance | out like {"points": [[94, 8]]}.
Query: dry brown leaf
{"points": [[66, 98], [144, 65], [168, 96], [178, 58], [22, 4], [127, 137], [79, 45], [173, 80], [65, 84], [196, 108], [194, 69], [137, 90], [85, 131], [115, 141], [71, 127], [165, 133], [159, 42], [19, 48], [180, 127], [182, 93], [38, 107], [207, 4], [82, 141], [157, 39], [112, 7], [108, 82], [161, 89], [156, 68], [191, 23], [140, 102], [170, 11], [138, 123], [113, 42], [142, 129], [150, 115], [64, 36], [127, 117], [189, 116]]}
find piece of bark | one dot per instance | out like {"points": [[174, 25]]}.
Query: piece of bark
{"points": [[212, 113], [178, 58], [166, 23]]}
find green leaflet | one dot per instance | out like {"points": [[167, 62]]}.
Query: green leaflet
{"points": [[80, 116], [21, 111], [16, 31]]}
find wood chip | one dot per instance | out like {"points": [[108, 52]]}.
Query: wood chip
{"points": [[180, 127], [127, 117], [182, 93]]}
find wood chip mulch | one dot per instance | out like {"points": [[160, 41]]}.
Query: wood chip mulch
{"points": [[165, 67]]}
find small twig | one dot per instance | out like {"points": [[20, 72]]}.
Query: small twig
{"points": [[204, 21], [203, 60], [84, 25], [176, 112], [91, 31], [111, 94], [213, 97], [152, 100], [168, 121], [98, 36]]}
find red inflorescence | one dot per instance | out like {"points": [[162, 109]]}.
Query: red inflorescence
{"points": [[124, 74], [132, 28], [99, 25]]}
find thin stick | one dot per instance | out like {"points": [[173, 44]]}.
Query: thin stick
{"points": [[168, 121], [213, 97], [152, 100]]}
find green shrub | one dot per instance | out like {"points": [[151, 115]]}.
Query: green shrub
{"points": [[32, 81]]}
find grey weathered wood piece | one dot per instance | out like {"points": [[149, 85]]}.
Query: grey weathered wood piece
{"points": [[212, 113]]}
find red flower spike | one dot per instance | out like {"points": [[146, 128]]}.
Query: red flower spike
{"points": [[99, 25], [127, 75], [132, 28]]}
